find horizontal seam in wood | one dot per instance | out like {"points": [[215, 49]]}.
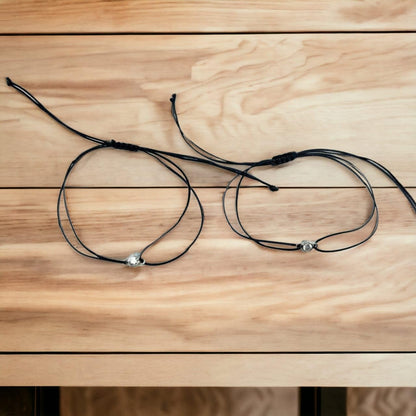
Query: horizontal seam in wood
{"points": [[198, 352], [195, 187], [208, 33]]}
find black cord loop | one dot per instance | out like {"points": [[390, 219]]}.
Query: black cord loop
{"points": [[334, 155], [135, 259]]}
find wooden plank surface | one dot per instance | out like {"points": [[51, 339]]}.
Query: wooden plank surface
{"points": [[239, 298], [240, 96], [178, 401], [42, 16], [237, 370]]}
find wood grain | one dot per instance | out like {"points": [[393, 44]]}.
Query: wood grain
{"points": [[239, 96], [387, 401], [77, 16], [225, 295], [178, 401], [205, 370]]}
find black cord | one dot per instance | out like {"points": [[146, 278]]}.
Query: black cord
{"points": [[129, 146], [135, 259], [334, 155]]}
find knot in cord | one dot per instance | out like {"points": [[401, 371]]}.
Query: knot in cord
{"points": [[123, 146], [283, 158]]}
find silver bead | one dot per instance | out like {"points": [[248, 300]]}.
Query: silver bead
{"points": [[135, 260], [306, 246]]}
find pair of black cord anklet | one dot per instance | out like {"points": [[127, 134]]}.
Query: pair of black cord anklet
{"points": [[241, 170]]}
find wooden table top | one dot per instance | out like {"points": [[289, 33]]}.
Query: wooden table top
{"points": [[228, 312]]}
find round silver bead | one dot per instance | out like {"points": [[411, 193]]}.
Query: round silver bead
{"points": [[306, 246], [135, 260]]}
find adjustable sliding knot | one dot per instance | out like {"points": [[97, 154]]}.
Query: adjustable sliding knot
{"points": [[283, 158], [123, 146]]}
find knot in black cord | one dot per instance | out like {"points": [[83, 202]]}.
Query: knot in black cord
{"points": [[283, 158], [123, 146]]}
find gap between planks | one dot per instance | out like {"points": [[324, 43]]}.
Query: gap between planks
{"points": [[321, 32]]}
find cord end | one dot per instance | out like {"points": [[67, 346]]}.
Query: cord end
{"points": [[173, 98], [273, 188], [9, 82]]}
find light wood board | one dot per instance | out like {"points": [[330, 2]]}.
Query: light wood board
{"points": [[242, 97], [226, 294], [77, 16], [238, 370]]}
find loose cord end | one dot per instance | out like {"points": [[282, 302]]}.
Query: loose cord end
{"points": [[273, 188], [173, 98], [9, 82]]}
